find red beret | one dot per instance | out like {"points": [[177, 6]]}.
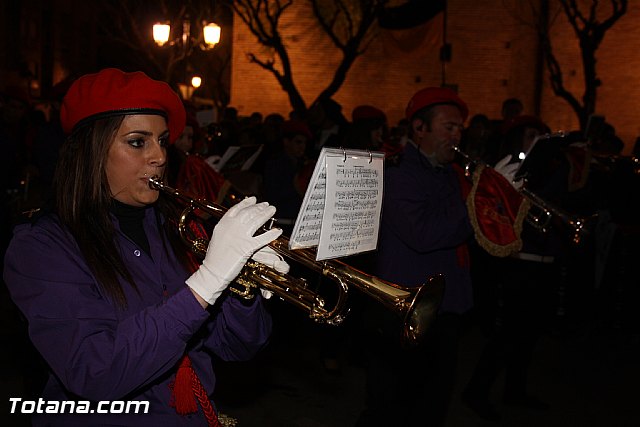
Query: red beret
{"points": [[365, 112], [113, 92], [524, 120], [296, 127], [432, 96]]}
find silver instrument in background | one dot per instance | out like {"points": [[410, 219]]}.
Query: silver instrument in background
{"points": [[417, 307]]}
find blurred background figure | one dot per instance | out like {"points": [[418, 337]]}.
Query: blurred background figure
{"points": [[514, 294], [606, 142], [519, 134], [511, 107], [187, 169], [477, 139], [327, 124], [180, 150], [368, 130], [286, 173], [251, 129], [270, 138], [15, 108]]}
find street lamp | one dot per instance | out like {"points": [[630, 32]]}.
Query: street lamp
{"points": [[184, 46], [211, 35], [196, 81], [161, 33]]}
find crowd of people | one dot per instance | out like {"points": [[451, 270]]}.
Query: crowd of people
{"points": [[140, 321]]}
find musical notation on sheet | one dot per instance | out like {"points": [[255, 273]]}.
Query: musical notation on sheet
{"points": [[306, 232], [340, 213], [352, 207]]}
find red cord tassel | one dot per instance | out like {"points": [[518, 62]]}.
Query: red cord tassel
{"points": [[183, 397]]}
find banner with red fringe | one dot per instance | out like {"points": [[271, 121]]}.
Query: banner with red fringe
{"points": [[497, 211]]}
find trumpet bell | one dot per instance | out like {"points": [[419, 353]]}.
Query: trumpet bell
{"points": [[423, 310]]}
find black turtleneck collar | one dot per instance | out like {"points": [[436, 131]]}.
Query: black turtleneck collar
{"points": [[131, 220]]}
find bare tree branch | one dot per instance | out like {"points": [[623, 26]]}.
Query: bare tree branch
{"points": [[590, 33], [347, 24], [123, 30], [358, 35], [262, 17]]}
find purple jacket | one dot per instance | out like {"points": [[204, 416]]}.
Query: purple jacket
{"points": [[424, 221], [97, 351]]}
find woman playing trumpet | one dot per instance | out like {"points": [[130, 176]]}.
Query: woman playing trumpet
{"points": [[110, 306]]}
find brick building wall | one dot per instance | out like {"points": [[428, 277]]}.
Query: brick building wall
{"points": [[494, 56], [617, 64]]}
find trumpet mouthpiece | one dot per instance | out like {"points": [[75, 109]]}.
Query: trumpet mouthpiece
{"points": [[154, 182]]}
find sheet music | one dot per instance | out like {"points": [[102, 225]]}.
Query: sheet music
{"points": [[341, 209], [353, 205], [306, 231]]}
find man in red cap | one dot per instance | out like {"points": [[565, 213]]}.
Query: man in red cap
{"points": [[423, 232]]}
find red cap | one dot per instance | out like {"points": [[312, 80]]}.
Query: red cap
{"points": [[435, 95], [366, 112], [524, 120], [112, 92], [293, 127]]}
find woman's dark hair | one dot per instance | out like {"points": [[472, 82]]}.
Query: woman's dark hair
{"points": [[83, 199]]}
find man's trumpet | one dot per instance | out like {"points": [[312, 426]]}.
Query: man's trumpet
{"points": [[543, 212], [416, 306]]}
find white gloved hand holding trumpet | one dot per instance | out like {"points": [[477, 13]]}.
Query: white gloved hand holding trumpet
{"points": [[232, 244], [508, 170]]}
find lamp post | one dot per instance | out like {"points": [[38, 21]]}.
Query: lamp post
{"points": [[184, 45], [210, 35]]}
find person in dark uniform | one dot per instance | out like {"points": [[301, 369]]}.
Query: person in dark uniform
{"points": [[517, 291], [423, 232]]}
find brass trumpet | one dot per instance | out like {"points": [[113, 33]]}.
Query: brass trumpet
{"points": [[417, 307], [580, 226], [540, 217]]}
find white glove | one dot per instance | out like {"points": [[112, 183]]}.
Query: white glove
{"points": [[270, 258], [508, 171], [231, 245]]}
